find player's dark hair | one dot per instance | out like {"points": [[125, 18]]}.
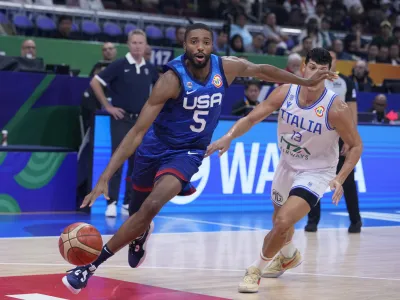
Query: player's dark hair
{"points": [[320, 55], [195, 26]]}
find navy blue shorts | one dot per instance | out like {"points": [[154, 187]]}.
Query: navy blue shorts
{"points": [[154, 159]]}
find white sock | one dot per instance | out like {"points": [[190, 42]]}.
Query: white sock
{"points": [[288, 250], [261, 262]]}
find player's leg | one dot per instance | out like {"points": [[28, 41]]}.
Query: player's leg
{"points": [[165, 189], [313, 218], [129, 194], [351, 197]]}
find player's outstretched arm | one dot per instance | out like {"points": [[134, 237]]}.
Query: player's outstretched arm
{"points": [[340, 117], [167, 87], [237, 67], [263, 110]]}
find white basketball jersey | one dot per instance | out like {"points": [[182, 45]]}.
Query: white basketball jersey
{"points": [[305, 138]]}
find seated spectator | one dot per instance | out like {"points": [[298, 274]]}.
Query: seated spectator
{"points": [[64, 28], [272, 48], [236, 44], [179, 37], [394, 54], [385, 38], [338, 12], [257, 46], [327, 35], [28, 49], [221, 43], [320, 12], [246, 105], [313, 32], [360, 45], [338, 48], [230, 7], [109, 52], [294, 64], [240, 28], [304, 47], [383, 56], [379, 108], [360, 77], [372, 54], [273, 32]]}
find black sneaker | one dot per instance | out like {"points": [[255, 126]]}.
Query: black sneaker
{"points": [[137, 248], [310, 227], [355, 228]]}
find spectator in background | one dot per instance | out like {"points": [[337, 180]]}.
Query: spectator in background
{"points": [[28, 49], [64, 28], [305, 47], [338, 12], [109, 52], [313, 32], [396, 31], [338, 48], [379, 108], [383, 56], [372, 54], [246, 105], [360, 46], [294, 64], [257, 46], [394, 55], [327, 35], [320, 12], [236, 44], [273, 32], [221, 44], [272, 48], [239, 28], [128, 81], [231, 7], [179, 37], [360, 77], [385, 38]]}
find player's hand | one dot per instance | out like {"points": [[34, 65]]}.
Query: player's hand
{"points": [[319, 76], [116, 112], [100, 188], [336, 186], [344, 150], [222, 145]]}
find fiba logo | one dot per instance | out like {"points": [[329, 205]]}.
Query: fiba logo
{"points": [[217, 81], [199, 180]]}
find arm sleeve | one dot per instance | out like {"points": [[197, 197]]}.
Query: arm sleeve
{"points": [[109, 74]]}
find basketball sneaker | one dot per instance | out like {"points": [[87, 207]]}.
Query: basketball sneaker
{"points": [[137, 248], [281, 264], [250, 281], [77, 278]]}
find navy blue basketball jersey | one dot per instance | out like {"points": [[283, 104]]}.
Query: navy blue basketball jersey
{"points": [[190, 120]]}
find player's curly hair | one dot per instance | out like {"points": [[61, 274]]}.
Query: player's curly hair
{"points": [[320, 55]]}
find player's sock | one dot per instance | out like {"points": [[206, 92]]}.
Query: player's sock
{"points": [[261, 262], [104, 255], [288, 250]]}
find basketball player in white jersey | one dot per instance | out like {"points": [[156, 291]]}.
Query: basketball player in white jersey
{"points": [[310, 122]]}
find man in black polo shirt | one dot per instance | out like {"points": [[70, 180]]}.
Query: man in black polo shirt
{"points": [[128, 81], [345, 89]]}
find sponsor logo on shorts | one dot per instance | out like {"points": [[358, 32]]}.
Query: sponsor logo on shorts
{"points": [[276, 197], [294, 150]]}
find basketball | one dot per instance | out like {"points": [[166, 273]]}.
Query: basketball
{"points": [[80, 244]]}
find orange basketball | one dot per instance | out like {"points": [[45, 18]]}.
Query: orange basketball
{"points": [[80, 244]]}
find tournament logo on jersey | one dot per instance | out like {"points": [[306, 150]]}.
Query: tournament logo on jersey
{"points": [[319, 111], [217, 81], [189, 85]]}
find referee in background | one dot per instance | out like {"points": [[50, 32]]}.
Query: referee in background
{"points": [[345, 89], [128, 81]]}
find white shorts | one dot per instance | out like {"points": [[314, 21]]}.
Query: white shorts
{"points": [[286, 179]]}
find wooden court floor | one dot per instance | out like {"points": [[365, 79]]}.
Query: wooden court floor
{"points": [[336, 265]]}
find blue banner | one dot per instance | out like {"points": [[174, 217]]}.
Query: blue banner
{"points": [[241, 179]]}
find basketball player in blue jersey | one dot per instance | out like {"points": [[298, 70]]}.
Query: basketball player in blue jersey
{"points": [[310, 122], [171, 136]]}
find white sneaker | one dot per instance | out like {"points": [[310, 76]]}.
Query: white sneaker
{"points": [[250, 281], [125, 209], [111, 211]]}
